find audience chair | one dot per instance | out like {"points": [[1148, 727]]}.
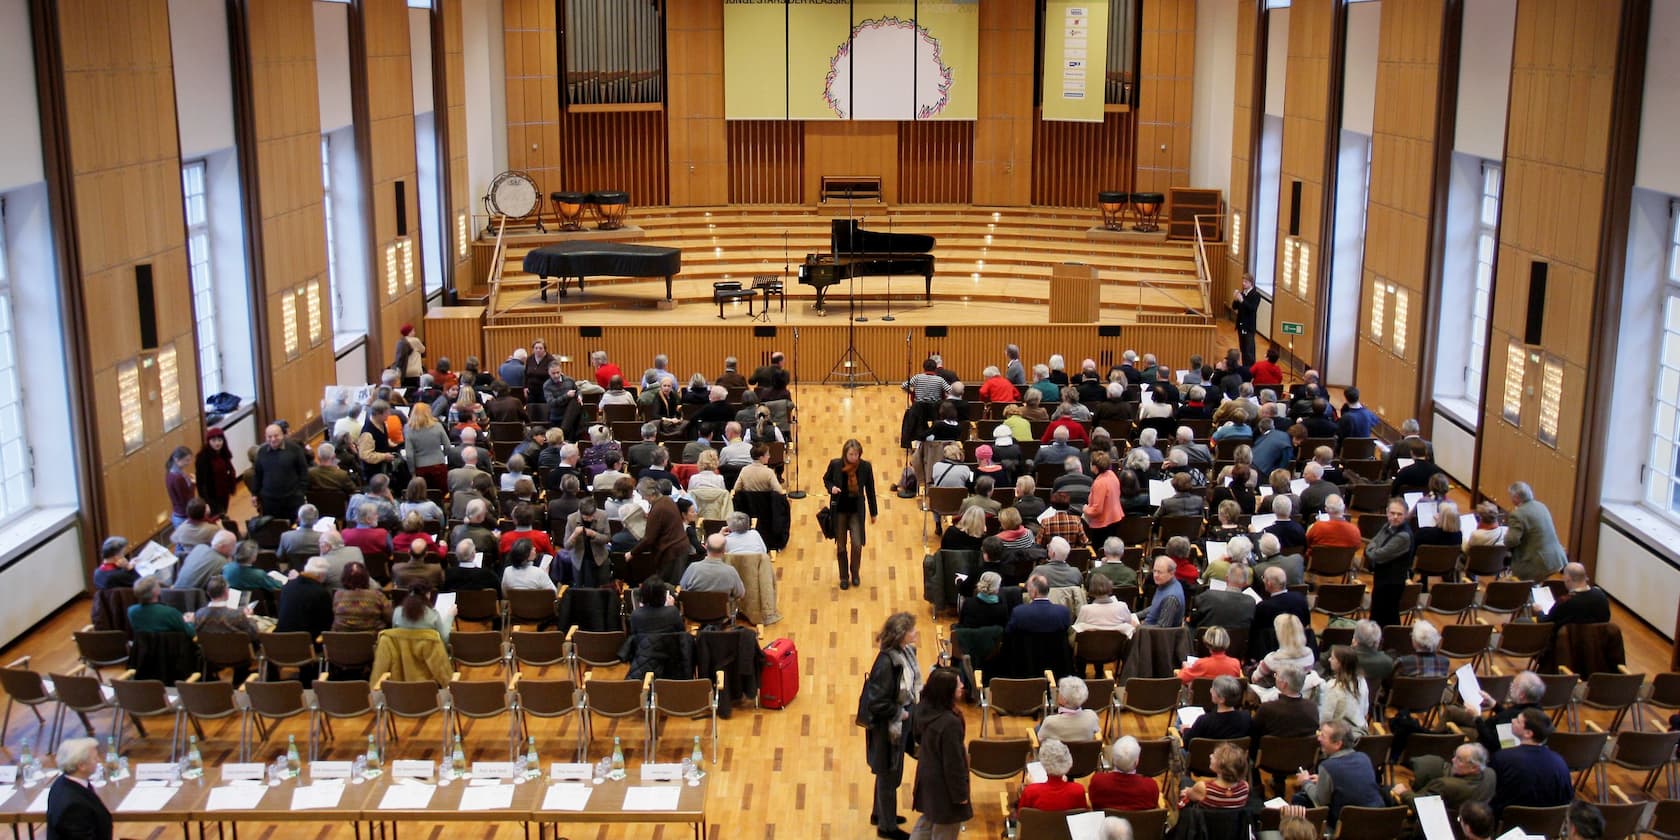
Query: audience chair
{"points": [[138, 700], [538, 650], [1156, 757], [1099, 648], [1559, 695], [1369, 524], [1378, 745], [98, 649], [1397, 639], [1665, 820], [548, 699], [1102, 695], [412, 700], [1438, 744], [531, 606], [1467, 641], [999, 759], [1033, 824], [350, 653], [480, 649], [1343, 600], [1280, 756], [1188, 527], [1451, 599], [596, 649], [1003, 696], [344, 699], [1419, 695], [1367, 498], [225, 650], [25, 686], [1651, 753], [479, 606], [215, 700], [1509, 598], [1358, 449], [1152, 824], [1328, 639], [704, 608], [1623, 816], [286, 650], [1201, 691], [1611, 692], [1147, 697], [1440, 561], [1584, 753], [1360, 823], [943, 502], [1087, 754], [1199, 761], [613, 699], [1534, 821], [1524, 641], [271, 702], [1487, 560], [693, 699], [1331, 562], [1135, 530], [1411, 596], [481, 700], [82, 693]]}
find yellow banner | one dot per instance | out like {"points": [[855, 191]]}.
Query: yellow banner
{"points": [[1075, 58]]}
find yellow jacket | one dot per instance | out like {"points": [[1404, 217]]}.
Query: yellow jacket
{"points": [[411, 655]]}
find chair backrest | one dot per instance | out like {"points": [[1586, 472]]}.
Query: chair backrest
{"points": [[477, 605], [1560, 690], [1487, 559], [101, 648], [343, 698], [1201, 691], [479, 698], [530, 605], [209, 700], [548, 698], [1340, 598], [79, 693], [1150, 824], [23, 685], [703, 607], [1451, 598], [1285, 755], [350, 650], [998, 758], [1087, 757], [946, 501], [1360, 823], [1640, 750], [1417, 694], [1506, 596], [280, 699], [1612, 691], [224, 649], [477, 649], [1155, 756], [1541, 821], [1010, 696], [1150, 695], [1580, 750], [1463, 641], [684, 698], [614, 698], [540, 648], [141, 697], [293, 649], [1200, 759], [1045, 825], [411, 698], [596, 647], [1099, 646], [1330, 561], [1188, 527], [1435, 559]]}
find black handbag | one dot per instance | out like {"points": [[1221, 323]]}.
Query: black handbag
{"points": [[825, 521]]}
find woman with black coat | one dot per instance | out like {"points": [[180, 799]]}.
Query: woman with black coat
{"points": [[217, 478], [940, 792], [851, 482], [892, 688]]}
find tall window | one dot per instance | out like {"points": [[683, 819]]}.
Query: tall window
{"points": [[1662, 473], [198, 265], [14, 450], [327, 214], [1487, 221]]}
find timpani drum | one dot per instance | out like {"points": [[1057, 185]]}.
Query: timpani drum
{"points": [[1148, 207], [611, 208], [1113, 206], [568, 208]]}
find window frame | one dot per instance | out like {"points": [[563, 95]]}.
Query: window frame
{"points": [[1660, 476], [1486, 235], [17, 457], [200, 271]]}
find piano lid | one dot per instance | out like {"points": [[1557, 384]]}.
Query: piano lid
{"points": [[850, 238]]}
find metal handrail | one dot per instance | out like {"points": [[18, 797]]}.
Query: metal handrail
{"points": [[1201, 259], [496, 267]]}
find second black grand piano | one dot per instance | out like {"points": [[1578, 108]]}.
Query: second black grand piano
{"points": [[866, 253]]}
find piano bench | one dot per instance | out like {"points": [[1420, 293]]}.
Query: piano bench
{"points": [[724, 291]]}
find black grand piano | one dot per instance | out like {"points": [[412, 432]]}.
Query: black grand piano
{"points": [[582, 258], [866, 253]]}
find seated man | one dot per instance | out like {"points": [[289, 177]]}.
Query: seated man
{"points": [[1040, 614], [1585, 603], [1169, 605], [740, 537], [1463, 779], [1056, 569], [298, 544], [1530, 774], [367, 536], [1230, 608], [1525, 692], [713, 573], [1345, 776]]}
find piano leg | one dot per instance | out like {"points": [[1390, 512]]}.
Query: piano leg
{"points": [[668, 287], [927, 294], [821, 292], [542, 286]]}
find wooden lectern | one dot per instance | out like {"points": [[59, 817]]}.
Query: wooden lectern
{"points": [[1075, 294]]}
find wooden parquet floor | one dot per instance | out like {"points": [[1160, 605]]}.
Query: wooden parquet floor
{"points": [[794, 773]]}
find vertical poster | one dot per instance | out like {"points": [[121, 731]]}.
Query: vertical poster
{"points": [[952, 61], [1075, 58], [755, 59], [819, 84]]}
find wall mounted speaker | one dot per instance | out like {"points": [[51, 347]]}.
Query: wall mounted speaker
{"points": [[764, 332], [145, 297], [1294, 208], [589, 332], [1533, 329], [1108, 331], [402, 209], [934, 332]]}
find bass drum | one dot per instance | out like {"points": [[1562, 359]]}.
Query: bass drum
{"points": [[513, 194]]}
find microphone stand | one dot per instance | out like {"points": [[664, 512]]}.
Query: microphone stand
{"points": [[793, 423], [892, 257]]}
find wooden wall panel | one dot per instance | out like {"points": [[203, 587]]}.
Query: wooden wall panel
{"points": [[390, 126], [1240, 201], [287, 155], [766, 162], [1305, 112], [1556, 153], [617, 150], [125, 178], [1073, 161], [936, 162], [1165, 66], [1003, 134], [1397, 227], [851, 147], [530, 50], [967, 348], [699, 151], [458, 227]]}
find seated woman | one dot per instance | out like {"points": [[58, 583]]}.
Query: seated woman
{"points": [[620, 497], [1292, 650], [698, 392], [1056, 793], [1216, 663], [1072, 721], [951, 471], [359, 607], [417, 613], [655, 611], [115, 570], [1103, 611], [1027, 501], [413, 530], [708, 475], [1123, 789], [999, 473], [1227, 720], [985, 608], [739, 536], [1345, 695], [415, 500], [1225, 526], [1012, 533], [1229, 786], [521, 572], [524, 492], [966, 533], [1071, 408], [1134, 494], [1488, 530], [515, 471], [565, 502], [1240, 489]]}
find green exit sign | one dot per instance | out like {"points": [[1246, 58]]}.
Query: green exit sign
{"points": [[1292, 328]]}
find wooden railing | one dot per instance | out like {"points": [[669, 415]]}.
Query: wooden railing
{"points": [[1203, 277], [496, 262]]}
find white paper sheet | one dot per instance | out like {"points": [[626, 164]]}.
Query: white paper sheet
{"points": [[640, 798], [7, 792], [1250, 592], [1274, 803], [325, 524], [1217, 551], [1035, 772], [1181, 375], [1086, 826], [1261, 521], [407, 797], [1469, 688], [474, 562], [1412, 499], [547, 559], [1049, 512], [39, 806], [154, 558], [316, 797], [1506, 737], [487, 798], [566, 797], [1543, 599], [1216, 585], [1265, 491], [242, 798], [1298, 486], [1188, 715], [1428, 514], [8, 774], [1466, 524], [147, 799], [445, 603], [1159, 491], [1518, 834], [1432, 813]]}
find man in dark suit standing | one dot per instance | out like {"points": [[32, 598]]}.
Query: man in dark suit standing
{"points": [[1245, 305], [74, 811]]}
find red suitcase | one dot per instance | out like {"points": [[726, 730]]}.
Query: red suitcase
{"points": [[779, 683]]}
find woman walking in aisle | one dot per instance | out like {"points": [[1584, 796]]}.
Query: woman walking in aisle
{"points": [[893, 686], [941, 790], [851, 482]]}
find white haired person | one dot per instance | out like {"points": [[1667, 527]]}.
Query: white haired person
{"points": [[74, 810], [1124, 789], [1072, 721], [1057, 792]]}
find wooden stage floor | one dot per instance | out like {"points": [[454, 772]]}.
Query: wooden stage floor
{"points": [[794, 773]]}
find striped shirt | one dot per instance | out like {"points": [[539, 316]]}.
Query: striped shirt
{"points": [[927, 387]]}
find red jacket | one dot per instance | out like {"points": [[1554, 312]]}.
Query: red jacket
{"points": [[539, 542], [1076, 431], [1124, 792], [374, 540], [606, 372], [1266, 373], [998, 389], [1057, 794]]}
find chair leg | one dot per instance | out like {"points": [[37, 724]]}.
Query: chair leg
{"points": [[57, 728]]}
